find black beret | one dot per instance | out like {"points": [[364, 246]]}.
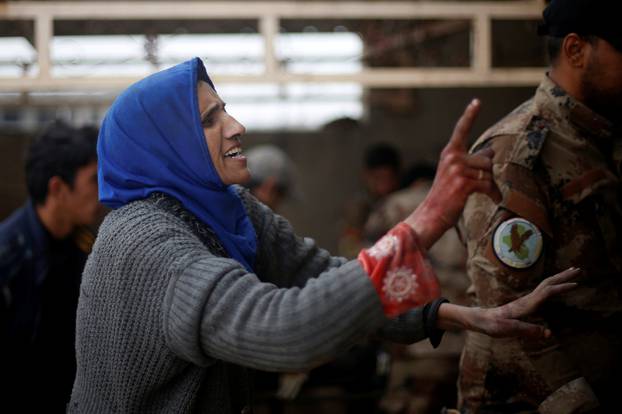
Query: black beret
{"points": [[599, 18]]}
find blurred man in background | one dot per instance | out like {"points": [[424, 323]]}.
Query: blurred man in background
{"points": [[357, 375], [381, 174], [272, 175], [381, 177], [429, 375], [43, 249], [448, 255], [558, 161]]}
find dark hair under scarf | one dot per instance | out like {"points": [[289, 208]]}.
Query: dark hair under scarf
{"points": [[152, 140]]}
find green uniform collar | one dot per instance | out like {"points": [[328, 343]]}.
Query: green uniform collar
{"points": [[588, 122]]}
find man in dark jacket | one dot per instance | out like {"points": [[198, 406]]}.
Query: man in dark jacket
{"points": [[43, 248]]}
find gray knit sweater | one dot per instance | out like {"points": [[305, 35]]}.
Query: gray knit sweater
{"points": [[167, 325]]}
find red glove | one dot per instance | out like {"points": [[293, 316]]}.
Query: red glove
{"points": [[399, 271]]}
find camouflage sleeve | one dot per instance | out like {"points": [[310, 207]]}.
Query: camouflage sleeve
{"points": [[508, 269], [507, 258]]}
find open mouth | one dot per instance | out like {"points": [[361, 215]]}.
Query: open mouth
{"points": [[234, 152]]}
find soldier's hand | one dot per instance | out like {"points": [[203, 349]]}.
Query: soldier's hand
{"points": [[504, 321], [459, 174]]}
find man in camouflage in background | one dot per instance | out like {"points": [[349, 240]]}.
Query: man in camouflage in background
{"points": [[558, 160]]}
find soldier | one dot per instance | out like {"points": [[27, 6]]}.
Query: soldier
{"points": [[557, 162], [381, 177]]}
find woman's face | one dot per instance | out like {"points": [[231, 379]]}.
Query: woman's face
{"points": [[222, 133]]}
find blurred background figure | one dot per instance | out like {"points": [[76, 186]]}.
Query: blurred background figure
{"points": [[415, 184], [381, 177], [425, 376], [448, 255], [272, 175], [381, 172], [43, 248], [358, 377], [271, 182]]}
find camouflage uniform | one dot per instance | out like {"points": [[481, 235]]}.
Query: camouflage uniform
{"points": [[558, 165]]}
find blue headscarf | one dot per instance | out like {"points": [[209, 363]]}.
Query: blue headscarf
{"points": [[152, 140]]}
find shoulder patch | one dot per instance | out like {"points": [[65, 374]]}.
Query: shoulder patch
{"points": [[517, 243]]}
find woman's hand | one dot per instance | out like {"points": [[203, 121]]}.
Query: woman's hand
{"points": [[504, 321], [459, 174]]}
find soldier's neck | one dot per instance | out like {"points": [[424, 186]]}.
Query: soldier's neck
{"points": [[568, 83]]}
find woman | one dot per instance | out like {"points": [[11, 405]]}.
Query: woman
{"points": [[192, 281]]}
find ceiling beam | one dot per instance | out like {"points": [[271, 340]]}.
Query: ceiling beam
{"points": [[269, 14], [283, 9], [381, 78]]}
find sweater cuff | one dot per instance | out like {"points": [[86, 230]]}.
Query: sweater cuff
{"points": [[406, 329], [400, 271], [430, 316]]}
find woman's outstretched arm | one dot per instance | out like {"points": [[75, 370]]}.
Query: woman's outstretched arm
{"points": [[505, 321]]}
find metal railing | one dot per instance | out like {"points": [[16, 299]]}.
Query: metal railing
{"points": [[269, 14]]}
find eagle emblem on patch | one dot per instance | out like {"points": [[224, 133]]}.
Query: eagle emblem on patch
{"points": [[517, 243]]}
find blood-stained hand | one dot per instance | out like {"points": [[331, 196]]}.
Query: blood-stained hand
{"points": [[459, 174]]}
